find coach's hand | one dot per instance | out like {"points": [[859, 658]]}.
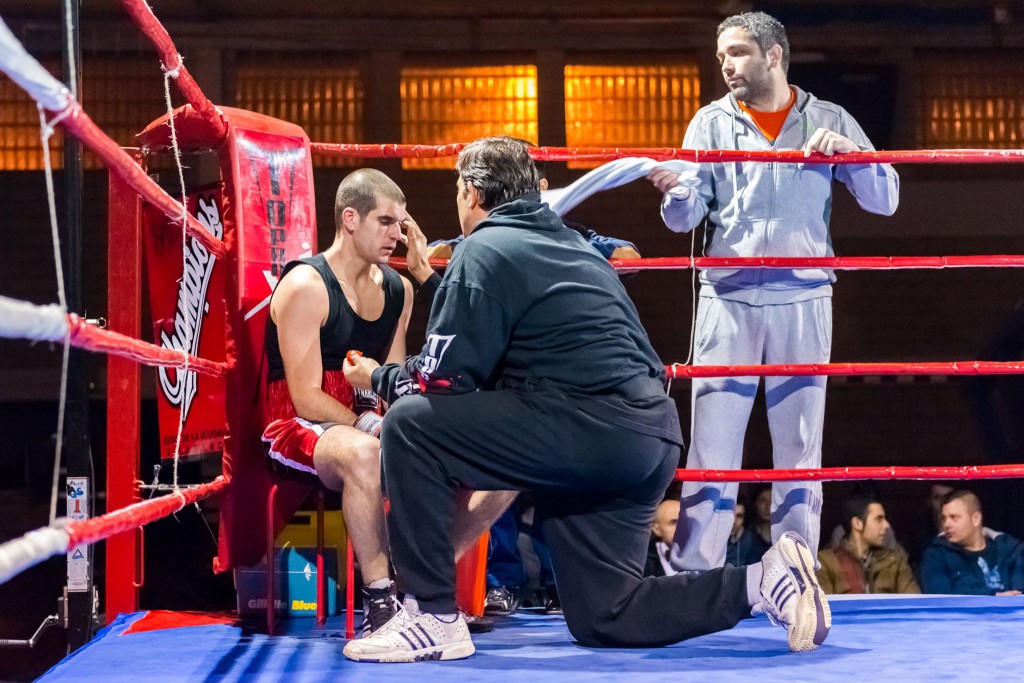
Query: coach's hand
{"points": [[358, 370], [416, 245], [665, 181]]}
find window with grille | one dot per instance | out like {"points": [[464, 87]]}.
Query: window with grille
{"points": [[20, 146], [325, 99], [971, 103], [629, 106], [121, 94], [442, 105]]}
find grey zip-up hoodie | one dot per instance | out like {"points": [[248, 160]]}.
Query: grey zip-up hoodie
{"points": [[772, 209]]}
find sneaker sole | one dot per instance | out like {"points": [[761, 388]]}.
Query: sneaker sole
{"points": [[814, 618], [442, 653]]}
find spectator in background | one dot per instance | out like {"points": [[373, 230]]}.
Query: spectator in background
{"points": [[967, 558], [745, 545], [663, 528], [762, 522], [507, 573], [932, 526], [865, 561]]}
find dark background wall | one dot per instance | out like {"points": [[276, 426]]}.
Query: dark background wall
{"points": [[867, 56]]}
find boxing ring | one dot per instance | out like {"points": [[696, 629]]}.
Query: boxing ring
{"points": [[909, 638], [941, 638]]}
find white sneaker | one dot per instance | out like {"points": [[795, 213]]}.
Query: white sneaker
{"points": [[406, 638], [790, 593]]}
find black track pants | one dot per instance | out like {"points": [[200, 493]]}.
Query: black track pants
{"points": [[596, 487]]}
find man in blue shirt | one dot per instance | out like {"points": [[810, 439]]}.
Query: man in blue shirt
{"points": [[968, 559]]}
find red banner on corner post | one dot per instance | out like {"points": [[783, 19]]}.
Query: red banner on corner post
{"points": [[271, 220], [186, 294]]}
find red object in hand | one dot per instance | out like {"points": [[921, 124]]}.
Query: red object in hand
{"points": [[352, 355]]}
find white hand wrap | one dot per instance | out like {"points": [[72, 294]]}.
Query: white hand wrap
{"points": [[370, 423]]}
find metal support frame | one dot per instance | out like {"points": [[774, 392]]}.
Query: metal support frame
{"points": [[124, 303]]}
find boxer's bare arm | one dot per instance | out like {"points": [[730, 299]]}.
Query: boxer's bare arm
{"points": [[299, 308]]}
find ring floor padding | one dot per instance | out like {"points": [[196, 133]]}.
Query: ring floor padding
{"points": [[907, 638]]}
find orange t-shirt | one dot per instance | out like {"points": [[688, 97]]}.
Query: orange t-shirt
{"points": [[770, 122]]}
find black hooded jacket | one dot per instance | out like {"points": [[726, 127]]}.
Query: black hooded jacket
{"points": [[526, 302]]}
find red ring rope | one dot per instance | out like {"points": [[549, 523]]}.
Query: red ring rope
{"points": [[92, 338], [83, 532], [836, 262], [151, 27], [923, 156], [970, 367], [85, 129], [847, 473]]}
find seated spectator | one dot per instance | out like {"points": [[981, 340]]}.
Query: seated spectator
{"points": [[762, 522], [868, 488], [928, 529], [865, 560], [507, 573], [967, 558], [745, 545], [663, 528]]}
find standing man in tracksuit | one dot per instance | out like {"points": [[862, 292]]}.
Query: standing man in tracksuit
{"points": [[762, 316]]}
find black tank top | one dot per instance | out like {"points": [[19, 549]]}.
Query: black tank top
{"points": [[343, 330]]}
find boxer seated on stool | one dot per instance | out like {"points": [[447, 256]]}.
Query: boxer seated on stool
{"points": [[324, 305]]}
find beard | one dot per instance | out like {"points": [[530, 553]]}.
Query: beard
{"points": [[755, 86]]}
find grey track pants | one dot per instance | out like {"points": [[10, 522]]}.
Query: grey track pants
{"points": [[734, 333]]}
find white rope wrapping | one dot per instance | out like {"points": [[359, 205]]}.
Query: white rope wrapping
{"points": [[45, 132], [29, 74], [23, 320], [189, 328], [19, 554]]}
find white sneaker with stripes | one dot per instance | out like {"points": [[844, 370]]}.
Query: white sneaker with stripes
{"points": [[408, 638], [791, 596]]}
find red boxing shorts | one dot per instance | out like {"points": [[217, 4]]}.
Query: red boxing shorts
{"points": [[291, 441]]}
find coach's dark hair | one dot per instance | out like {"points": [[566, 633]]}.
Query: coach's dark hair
{"points": [[499, 168], [765, 29]]}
